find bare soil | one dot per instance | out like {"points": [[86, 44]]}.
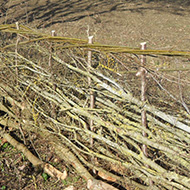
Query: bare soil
{"points": [[162, 24]]}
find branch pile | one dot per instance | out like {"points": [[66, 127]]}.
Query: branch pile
{"points": [[53, 101]]}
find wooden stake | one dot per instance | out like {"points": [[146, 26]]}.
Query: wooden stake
{"points": [[143, 95], [51, 50], [16, 51], [18, 111], [89, 84], [142, 73], [54, 114]]}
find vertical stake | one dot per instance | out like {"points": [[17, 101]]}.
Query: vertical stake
{"points": [[143, 95], [18, 111], [16, 51], [50, 68], [89, 84], [142, 73], [51, 50], [92, 98]]}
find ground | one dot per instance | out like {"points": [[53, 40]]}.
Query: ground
{"points": [[162, 24]]}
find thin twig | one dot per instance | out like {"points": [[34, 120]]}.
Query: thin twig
{"points": [[181, 95]]}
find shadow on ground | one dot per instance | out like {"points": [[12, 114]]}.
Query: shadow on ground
{"points": [[48, 12]]}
